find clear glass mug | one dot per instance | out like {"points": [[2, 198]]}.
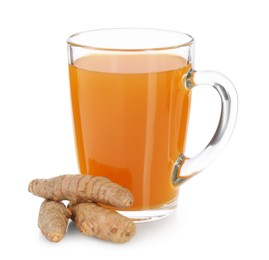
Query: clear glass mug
{"points": [[131, 94]]}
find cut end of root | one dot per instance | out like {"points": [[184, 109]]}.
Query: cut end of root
{"points": [[125, 199], [30, 186], [55, 237], [129, 201], [130, 233]]}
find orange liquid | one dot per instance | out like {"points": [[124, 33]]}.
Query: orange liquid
{"points": [[130, 118]]}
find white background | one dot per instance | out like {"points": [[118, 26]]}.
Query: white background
{"points": [[223, 212]]}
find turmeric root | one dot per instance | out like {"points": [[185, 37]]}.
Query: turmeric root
{"points": [[52, 220], [78, 188], [94, 220]]}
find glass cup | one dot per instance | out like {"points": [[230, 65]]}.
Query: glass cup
{"points": [[131, 97]]}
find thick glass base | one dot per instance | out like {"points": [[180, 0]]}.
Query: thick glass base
{"points": [[151, 214]]}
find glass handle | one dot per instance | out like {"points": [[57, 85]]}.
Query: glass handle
{"points": [[184, 168]]}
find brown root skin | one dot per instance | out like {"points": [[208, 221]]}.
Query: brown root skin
{"points": [[78, 188], [94, 220], [52, 220]]}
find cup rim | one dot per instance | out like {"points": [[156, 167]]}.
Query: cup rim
{"points": [[184, 39]]}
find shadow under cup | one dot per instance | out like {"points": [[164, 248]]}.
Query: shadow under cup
{"points": [[131, 94]]}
